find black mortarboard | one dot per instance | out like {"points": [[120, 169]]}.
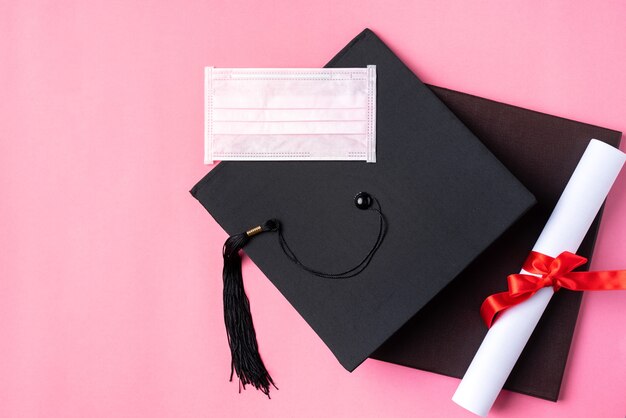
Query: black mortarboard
{"points": [[445, 197]]}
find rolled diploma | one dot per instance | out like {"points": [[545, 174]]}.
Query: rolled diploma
{"points": [[575, 211]]}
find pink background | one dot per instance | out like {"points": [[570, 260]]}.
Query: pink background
{"points": [[110, 280]]}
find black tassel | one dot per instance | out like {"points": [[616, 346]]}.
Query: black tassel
{"points": [[245, 358], [246, 361]]}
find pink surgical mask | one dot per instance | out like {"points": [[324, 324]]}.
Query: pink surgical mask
{"points": [[290, 114]]}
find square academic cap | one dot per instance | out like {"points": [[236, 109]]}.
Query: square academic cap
{"points": [[444, 196]]}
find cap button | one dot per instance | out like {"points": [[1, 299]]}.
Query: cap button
{"points": [[363, 200]]}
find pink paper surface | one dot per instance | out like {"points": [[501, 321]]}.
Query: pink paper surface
{"points": [[110, 272]]}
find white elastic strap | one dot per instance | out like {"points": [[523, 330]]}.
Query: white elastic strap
{"points": [[208, 115], [371, 114]]}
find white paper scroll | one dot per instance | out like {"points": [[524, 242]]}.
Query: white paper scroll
{"points": [[575, 211]]}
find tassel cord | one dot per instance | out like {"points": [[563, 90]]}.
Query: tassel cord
{"points": [[354, 271]]}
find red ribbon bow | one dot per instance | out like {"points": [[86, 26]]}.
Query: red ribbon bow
{"points": [[556, 272]]}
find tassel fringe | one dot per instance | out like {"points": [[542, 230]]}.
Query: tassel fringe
{"points": [[246, 361]]}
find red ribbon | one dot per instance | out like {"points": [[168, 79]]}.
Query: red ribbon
{"points": [[556, 272]]}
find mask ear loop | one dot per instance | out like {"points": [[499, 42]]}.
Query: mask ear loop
{"points": [[246, 361]]}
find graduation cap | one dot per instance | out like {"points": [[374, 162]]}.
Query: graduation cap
{"points": [[436, 199]]}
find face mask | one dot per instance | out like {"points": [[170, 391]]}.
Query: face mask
{"points": [[290, 114]]}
